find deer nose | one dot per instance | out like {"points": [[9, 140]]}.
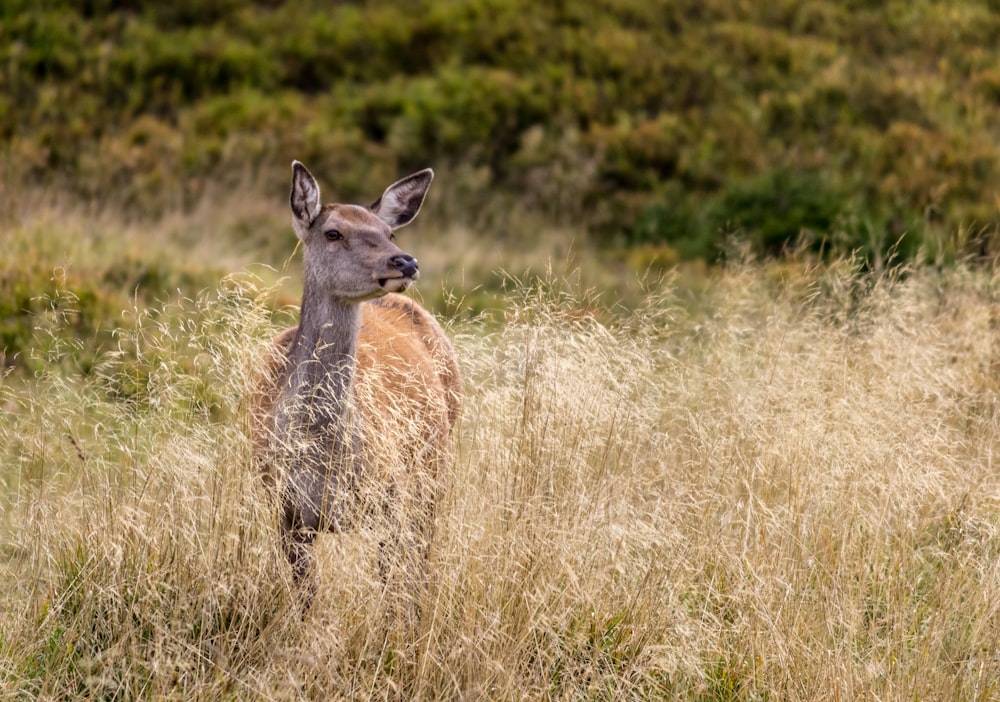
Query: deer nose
{"points": [[405, 264]]}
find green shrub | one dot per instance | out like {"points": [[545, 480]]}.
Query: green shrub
{"points": [[892, 106], [680, 222], [775, 209]]}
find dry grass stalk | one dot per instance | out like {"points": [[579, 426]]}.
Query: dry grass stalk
{"points": [[788, 493]]}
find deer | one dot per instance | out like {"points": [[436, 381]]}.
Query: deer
{"points": [[362, 397]]}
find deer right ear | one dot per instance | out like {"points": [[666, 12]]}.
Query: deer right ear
{"points": [[401, 201], [305, 195]]}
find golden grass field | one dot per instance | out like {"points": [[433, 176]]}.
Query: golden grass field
{"points": [[781, 486]]}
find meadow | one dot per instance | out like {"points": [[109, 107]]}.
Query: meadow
{"points": [[777, 484], [720, 277]]}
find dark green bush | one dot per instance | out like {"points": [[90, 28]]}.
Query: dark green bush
{"points": [[679, 221], [776, 209]]}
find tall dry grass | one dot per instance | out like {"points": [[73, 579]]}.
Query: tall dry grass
{"points": [[784, 489]]}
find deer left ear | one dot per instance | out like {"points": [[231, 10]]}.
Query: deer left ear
{"points": [[401, 201], [304, 198]]}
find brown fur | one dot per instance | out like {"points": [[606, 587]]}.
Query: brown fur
{"points": [[402, 346]]}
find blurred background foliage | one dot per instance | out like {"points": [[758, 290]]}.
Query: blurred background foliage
{"points": [[672, 126]]}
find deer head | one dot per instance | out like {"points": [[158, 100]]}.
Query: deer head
{"points": [[349, 249]]}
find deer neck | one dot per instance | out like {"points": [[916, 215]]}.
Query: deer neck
{"points": [[323, 358], [324, 450]]}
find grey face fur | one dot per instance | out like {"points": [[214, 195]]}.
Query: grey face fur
{"points": [[350, 254]]}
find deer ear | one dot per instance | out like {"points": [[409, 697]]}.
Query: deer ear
{"points": [[401, 201], [305, 195]]}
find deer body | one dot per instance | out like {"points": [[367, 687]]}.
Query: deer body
{"points": [[364, 392]]}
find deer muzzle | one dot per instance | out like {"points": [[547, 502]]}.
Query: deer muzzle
{"points": [[406, 265]]}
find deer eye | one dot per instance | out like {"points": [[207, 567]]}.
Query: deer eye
{"points": [[333, 235]]}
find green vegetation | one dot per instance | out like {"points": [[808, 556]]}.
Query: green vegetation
{"points": [[673, 123], [67, 281]]}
